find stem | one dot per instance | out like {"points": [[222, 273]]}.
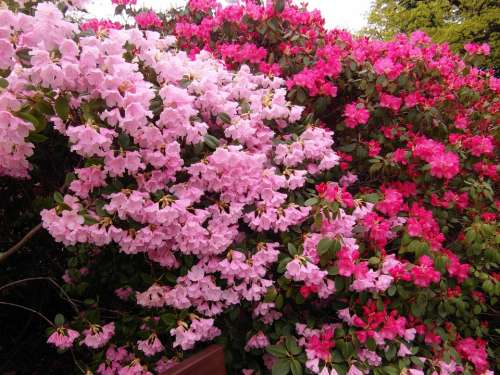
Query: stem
{"points": [[28, 309], [20, 244], [52, 281], [76, 362]]}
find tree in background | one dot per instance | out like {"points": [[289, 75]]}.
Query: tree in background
{"points": [[454, 21]]}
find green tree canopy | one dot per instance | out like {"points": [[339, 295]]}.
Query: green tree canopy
{"points": [[454, 21]]}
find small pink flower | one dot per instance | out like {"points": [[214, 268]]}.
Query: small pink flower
{"points": [[390, 101], [97, 336], [151, 346], [63, 338], [356, 114], [123, 293]]}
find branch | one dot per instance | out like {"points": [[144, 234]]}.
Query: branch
{"points": [[28, 309], [20, 244], [49, 279]]}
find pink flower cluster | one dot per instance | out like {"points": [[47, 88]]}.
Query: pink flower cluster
{"points": [[199, 330], [148, 19], [443, 164]]}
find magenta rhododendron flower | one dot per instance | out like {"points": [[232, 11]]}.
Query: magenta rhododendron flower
{"points": [[124, 2], [99, 26], [356, 115], [148, 19]]}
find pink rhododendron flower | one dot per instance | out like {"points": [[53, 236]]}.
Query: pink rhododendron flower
{"points": [[97, 336], [150, 346], [63, 338], [257, 341]]}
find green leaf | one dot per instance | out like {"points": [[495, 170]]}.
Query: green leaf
{"points": [[292, 249], [417, 361], [301, 95], [224, 117], [277, 351], [326, 244], [59, 320], [62, 107], [279, 6], [70, 177], [291, 345], [99, 208], [30, 118], [340, 283], [58, 198], [371, 344], [274, 25], [390, 370], [24, 55], [4, 83], [211, 141], [440, 263], [337, 357], [89, 220], [372, 198], [391, 353], [124, 140], [169, 319], [311, 201], [37, 138], [281, 367], [270, 295], [417, 310], [44, 108], [279, 302], [375, 168], [322, 103], [119, 9], [283, 263], [296, 367]]}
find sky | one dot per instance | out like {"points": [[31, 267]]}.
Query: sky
{"points": [[347, 14]]}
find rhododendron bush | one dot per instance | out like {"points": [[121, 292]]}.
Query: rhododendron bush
{"points": [[315, 202]]}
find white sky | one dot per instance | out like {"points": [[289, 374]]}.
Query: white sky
{"points": [[348, 14]]}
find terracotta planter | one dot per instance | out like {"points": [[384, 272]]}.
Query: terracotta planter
{"points": [[209, 361]]}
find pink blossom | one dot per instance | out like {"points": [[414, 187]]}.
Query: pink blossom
{"points": [[99, 26], [321, 344], [425, 274], [390, 101], [356, 114], [257, 341], [124, 2], [150, 346], [97, 336], [474, 351], [63, 338], [445, 165], [392, 202], [148, 19]]}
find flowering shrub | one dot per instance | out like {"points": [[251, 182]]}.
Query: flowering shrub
{"points": [[341, 219]]}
